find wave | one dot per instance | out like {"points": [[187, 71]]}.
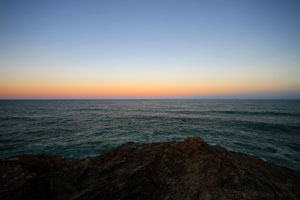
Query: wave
{"points": [[88, 109], [269, 127], [13, 118], [257, 113]]}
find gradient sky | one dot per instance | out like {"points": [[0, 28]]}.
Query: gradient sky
{"points": [[146, 49]]}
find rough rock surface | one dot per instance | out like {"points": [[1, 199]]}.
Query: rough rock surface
{"points": [[173, 170]]}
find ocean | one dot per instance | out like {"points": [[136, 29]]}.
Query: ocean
{"points": [[269, 129]]}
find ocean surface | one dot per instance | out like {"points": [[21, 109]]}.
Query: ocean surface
{"points": [[269, 129]]}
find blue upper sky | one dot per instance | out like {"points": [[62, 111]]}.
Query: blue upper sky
{"points": [[229, 47]]}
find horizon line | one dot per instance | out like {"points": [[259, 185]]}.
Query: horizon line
{"points": [[3, 99]]}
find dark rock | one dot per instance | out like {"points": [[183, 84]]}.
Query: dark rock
{"points": [[173, 170]]}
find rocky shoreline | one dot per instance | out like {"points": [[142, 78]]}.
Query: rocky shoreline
{"points": [[172, 170]]}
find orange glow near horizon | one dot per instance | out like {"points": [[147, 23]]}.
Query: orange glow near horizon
{"points": [[136, 83], [93, 89]]}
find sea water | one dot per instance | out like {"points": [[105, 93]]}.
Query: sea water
{"points": [[269, 129]]}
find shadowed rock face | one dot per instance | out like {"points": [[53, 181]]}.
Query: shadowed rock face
{"points": [[173, 170]]}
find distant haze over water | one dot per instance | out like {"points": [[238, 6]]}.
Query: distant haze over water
{"points": [[269, 129]]}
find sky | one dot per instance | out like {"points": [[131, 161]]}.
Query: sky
{"points": [[149, 49]]}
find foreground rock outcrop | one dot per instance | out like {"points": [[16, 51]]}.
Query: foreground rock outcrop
{"points": [[173, 170]]}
